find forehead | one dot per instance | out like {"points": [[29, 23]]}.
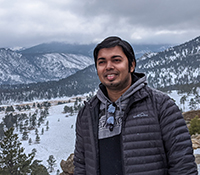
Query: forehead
{"points": [[106, 52]]}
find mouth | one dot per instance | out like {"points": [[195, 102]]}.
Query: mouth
{"points": [[111, 77]]}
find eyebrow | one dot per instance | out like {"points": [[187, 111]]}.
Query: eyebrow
{"points": [[101, 58], [114, 56]]}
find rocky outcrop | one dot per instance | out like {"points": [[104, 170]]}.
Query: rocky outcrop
{"points": [[195, 141], [197, 158], [196, 144], [68, 166], [189, 115]]}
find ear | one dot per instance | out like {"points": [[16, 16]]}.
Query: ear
{"points": [[132, 67]]}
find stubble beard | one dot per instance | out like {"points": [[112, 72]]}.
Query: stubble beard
{"points": [[118, 86]]}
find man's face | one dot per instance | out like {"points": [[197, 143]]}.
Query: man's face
{"points": [[113, 69]]}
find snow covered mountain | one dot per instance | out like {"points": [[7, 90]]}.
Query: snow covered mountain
{"points": [[50, 61], [177, 68], [177, 65], [22, 67]]}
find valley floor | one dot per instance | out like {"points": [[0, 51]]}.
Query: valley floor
{"points": [[59, 140]]}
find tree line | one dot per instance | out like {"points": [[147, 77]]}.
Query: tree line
{"points": [[13, 160]]}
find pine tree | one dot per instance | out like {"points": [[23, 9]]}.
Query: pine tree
{"points": [[30, 141], [66, 109], [21, 127], [46, 111], [71, 110], [26, 123], [12, 159], [28, 107], [51, 161], [197, 98], [33, 121], [192, 104], [39, 124], [10, 109], [76, 102], [37, 139], [36, 131], [9, 120], [34, 151], [42, 132], [25, 135], [58, 172], [1, 130], [47, 128], [47, 125], [38, 169], [182, 101], [18, 107]]}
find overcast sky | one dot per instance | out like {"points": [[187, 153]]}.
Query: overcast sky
{"points": [[27, 23]]}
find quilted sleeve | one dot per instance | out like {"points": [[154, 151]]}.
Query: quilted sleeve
{"points": [[79, 162], [176, 138]]}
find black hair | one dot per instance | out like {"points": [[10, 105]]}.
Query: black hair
{"points": [[113, 41]]}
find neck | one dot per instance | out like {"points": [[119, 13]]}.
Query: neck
{"points": [[114, 95]]}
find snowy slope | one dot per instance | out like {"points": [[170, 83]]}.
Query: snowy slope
{"points": [[177, 97], [18, 68], [59, 140]]}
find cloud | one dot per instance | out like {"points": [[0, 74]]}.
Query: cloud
{"points": [[27, 23]]}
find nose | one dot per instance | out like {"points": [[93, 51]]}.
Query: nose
{"points": [[109, 65]]}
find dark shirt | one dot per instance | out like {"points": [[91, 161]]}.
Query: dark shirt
{"points": [[110, 156]]}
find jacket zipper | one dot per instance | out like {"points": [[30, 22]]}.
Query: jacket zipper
{"points": [[121, 136], [92, 114], [122, 148]]}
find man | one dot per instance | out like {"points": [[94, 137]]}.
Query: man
{"points": [[128, 128]]}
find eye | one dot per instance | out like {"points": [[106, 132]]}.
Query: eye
{"points": [[101, 62], [117, 60]]}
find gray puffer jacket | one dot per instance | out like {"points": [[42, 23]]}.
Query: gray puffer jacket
{"points": [[154, 137]]}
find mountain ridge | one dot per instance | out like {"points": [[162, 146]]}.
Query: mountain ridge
{"points": [[174, 68], [17, 68], [50, 61]]}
